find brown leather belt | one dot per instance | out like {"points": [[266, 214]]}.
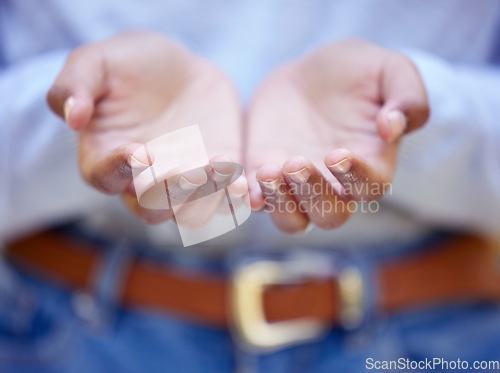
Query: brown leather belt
{"points": [[458, 269]]}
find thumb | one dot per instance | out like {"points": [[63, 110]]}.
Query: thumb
{"points": [[78, 86], [405, 103]]}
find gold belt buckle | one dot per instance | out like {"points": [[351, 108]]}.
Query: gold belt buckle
{"points": [[255, 333]]}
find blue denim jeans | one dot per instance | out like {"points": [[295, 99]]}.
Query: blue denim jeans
{"points": [[47, 328]]}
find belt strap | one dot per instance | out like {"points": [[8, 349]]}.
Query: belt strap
{"points": [[463, 268]]}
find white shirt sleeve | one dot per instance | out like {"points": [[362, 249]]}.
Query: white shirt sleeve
{"points": [[449, 171], [40, 183]]}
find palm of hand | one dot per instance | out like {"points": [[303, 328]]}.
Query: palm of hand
{"points": [[153, 87], [311, 107], [137, 86]]}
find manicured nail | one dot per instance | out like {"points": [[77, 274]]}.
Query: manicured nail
{"points": [[220, 176], [397, 122], [270, 186], [301, 176], [185, 184], [140, 158], [341, 167], [192, 179], [223, 174], [68, 105], [136, 164]]}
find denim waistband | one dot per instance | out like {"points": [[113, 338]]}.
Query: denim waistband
{"points": [[116, 257]]}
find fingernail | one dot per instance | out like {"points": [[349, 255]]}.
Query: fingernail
{"points": [[222, 173], [192, 179], [68, 105], [136, 164], [341, 167], [300, 176], [397, 122], [270, 186], [220, 176], [185, 184]]}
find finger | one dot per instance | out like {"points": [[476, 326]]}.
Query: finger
{"points": [[279, 202], [78, 86], [225, 171], [405, 103], [360, 181], [230, 176], [112, 174], [243, 186], [186, 184], [147, 215], [315, 195], [257, 197], [196, 214], [196, 203]]}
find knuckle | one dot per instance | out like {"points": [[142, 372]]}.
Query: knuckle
{"points": [[352, 177], [123, 169]]}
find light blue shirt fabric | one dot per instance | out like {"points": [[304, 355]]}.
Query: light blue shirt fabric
{"points": [[448, 173]]}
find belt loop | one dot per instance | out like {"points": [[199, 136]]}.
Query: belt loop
{"points": [[364, 267], [358, 266], [99, 307]]}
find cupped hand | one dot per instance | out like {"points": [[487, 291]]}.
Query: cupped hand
{"points": [[324, 131], [125, 91]]}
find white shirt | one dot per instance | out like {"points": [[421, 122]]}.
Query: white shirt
{"points": [[448, 174]]}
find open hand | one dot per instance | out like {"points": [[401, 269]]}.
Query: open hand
{"points": [[324, 131], [125, 91]]}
